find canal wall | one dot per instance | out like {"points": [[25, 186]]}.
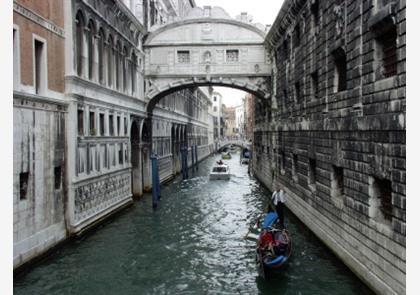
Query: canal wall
{"points": [[334, 138]]}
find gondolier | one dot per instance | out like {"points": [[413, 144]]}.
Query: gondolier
{"points": [[279, 198]]}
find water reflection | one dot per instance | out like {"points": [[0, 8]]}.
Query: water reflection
{"points": [[192, 244]]}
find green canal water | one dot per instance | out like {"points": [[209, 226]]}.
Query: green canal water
{"points": [[192, 244]]}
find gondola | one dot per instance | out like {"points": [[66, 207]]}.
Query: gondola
{"points": [[274, 246]]}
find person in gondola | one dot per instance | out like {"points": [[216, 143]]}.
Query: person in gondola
{"points": [[279, 198]]}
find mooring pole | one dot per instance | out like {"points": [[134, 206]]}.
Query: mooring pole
{"points": [[192, 158], [184, 161], [158, 179], [155, 180], [196, 157]]}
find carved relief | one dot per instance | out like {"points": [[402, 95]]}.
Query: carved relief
{"points": [[207, 57], [97, 196], [339, 14], [206, 32]]}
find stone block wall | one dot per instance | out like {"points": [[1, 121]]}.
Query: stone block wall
{"points": [[38, 177], [336, 141]]}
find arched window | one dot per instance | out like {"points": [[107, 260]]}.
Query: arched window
{"points": [[101, 56], [133, 72], [117, 65], [124, 68], [80, 24], [110, 51], [90, 43]]}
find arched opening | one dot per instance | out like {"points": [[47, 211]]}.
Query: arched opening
{"points": [[136, 181], [146, 146], [101, 56], [90, 46], [110, 57], [80, 24]]}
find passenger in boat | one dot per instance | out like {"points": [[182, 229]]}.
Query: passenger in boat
{"points": [[220, 162], [279, 198]]}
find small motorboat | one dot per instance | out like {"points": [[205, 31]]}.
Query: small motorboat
{"points": [[274, 245], [220, 171], [226, 156]]}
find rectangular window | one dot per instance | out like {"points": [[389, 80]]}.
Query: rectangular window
{"points": [[387, 54], [315, 13], [92, 129], [380, 202], [214, 109], [312, 172], [183, 56], [39, 69], [120, 154], [16, 57], [57, 177], [102, 124], [23, 185], [214, 98], [111, 125], [314, 85], [286, 48], [118, 125], [340, 70], [297, 92], [337, 184], [232, 55], [294, 167], [80, 122], [125, 126], [282, 162], [296, 40]]}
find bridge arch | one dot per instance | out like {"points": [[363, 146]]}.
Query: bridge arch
{"points": [[254, 88], [207, 48]]}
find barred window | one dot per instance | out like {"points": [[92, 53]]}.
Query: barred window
{"points": [[183, 56], [232, 55]]}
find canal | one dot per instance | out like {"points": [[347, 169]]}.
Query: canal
{"points": [[192, 244]]}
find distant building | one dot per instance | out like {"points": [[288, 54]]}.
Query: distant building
{"points": [[230, 121], [249, 116], [240, 118], [216, 111]]}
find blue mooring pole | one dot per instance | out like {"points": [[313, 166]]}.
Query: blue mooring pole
{"points": [[192, 157], [196, 157], [155, 180], [184, 154]]}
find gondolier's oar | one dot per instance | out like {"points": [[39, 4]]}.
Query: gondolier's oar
{"points": [[254, 227]]}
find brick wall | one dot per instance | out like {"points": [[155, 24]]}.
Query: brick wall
{"points": [[337, 139]]}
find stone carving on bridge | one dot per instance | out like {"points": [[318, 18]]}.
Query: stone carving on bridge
{"points": [[206, 32]]}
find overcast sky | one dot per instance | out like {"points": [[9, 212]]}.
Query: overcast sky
{"points": [[262, 11]]}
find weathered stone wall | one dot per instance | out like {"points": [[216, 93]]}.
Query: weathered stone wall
{"points": [[336, 140], [39, 125], [38, 177]]}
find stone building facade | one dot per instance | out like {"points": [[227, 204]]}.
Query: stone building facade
{"points": [[249, 116], [335, 136], [83, 136], [39, 124]]}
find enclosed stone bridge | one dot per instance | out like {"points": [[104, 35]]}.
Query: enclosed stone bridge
{"points": [[207, 48], [235, 142]]}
